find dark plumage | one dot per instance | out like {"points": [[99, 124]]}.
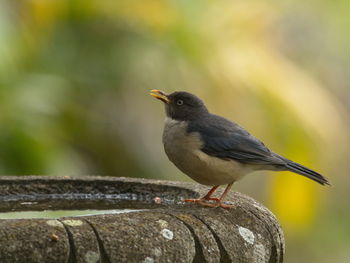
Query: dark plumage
{"points": [[227, 140], [218, 138]]}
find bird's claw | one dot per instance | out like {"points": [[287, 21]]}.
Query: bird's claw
{"points": [[204, 202]]}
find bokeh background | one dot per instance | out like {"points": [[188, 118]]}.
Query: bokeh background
{"points": [[75, 76]]}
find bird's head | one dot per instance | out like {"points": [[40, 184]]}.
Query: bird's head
{"points": [[181, 105]]}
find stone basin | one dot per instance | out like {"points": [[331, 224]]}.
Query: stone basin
{"points": [[142, 221]]}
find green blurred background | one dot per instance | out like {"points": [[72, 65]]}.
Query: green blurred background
{"points": [[75, 76]]}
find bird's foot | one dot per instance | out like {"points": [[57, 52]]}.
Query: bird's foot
{"points": [[213, 199], [223, 205], [202, 199], [204, 202]]}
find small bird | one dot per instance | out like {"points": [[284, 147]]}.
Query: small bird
{"points": [[214, 151]]}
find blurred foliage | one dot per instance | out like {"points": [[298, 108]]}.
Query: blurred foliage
{"points": [[75, 75]]}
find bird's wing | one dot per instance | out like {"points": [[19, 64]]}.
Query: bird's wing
{"points": [[227, 140]]}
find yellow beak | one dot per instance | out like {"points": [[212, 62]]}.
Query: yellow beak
{"points": [[160, 95]]}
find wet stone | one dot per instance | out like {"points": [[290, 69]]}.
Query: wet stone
{"points": [[144, 221]]}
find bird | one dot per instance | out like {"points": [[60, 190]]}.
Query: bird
{"points": [[215, 151]]}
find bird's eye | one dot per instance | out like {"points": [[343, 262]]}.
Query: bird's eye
{"points": [[179, 102]]}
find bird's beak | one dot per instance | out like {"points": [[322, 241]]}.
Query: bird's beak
{"points": [[158, 94]]}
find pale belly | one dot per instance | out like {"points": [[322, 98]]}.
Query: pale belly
{"points": [[184, 151]]}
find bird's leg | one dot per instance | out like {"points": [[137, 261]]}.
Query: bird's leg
{"points": [[218, 201], [206, 197]]}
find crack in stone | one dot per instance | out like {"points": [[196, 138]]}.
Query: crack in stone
{"points": [[72, 256], [103, 254], [224, 257], [199, 256]]}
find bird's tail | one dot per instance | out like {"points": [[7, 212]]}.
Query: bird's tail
{"points": [[302, 170]]}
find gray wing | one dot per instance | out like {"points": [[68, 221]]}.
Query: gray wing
{"points": [[227, 140]]}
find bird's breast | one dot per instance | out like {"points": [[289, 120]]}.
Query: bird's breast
{"points": [[184, 150]]}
